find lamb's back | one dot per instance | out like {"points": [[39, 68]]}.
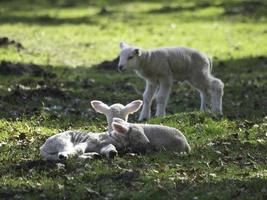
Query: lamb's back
{"points": [[179, 60], [163, 137]]}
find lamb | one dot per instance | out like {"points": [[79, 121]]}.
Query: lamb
{"points": [[160, 137], [88, 145], [160, 67], [116, 110]]}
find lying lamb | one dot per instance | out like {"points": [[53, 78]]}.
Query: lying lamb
{"points": [[88, 145], [160, 67], [160, 137]]}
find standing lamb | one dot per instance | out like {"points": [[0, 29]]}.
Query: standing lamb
{"points": [[160, 137], [160, 67]]}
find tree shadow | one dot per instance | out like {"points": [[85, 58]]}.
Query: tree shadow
{"points": [[59, 93], [65, 93], [248, 9], [245, 92], [218, 156], [45, 20], [166, 9]]}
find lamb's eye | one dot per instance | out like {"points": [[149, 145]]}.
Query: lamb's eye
{"points": [[130, 57]]}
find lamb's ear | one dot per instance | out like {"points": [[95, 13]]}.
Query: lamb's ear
{"points": [[133, 106], [100, 107], [137, 52], [123, 45], [120, 128]]}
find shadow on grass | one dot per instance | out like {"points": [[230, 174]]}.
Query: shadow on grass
{"points": [[194, 179], [69, 91], [59, 93], [247, 8], [45, 20]]}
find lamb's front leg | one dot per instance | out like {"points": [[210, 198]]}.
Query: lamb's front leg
{"points": [[151, 87], [77, 150], [109, 151], [89, 155], [163, 96]]}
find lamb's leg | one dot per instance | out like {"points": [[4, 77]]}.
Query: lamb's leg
{"points": [[148, 95], [89, 155], [212, 88], [109, 151], [216, 94], [163, 96], [75, 151], [204, 99]]}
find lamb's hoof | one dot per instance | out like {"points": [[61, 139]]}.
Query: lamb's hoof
{"points": [[96, 155], [62, 157], [112, 154]]}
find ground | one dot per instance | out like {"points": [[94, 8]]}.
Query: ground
{"points": [[49, 53]]}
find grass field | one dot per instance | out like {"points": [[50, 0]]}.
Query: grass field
{"points": [[47, 82]]}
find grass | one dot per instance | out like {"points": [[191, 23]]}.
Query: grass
{"points": [[65, 39]]}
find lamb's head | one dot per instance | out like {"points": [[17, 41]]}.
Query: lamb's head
{"points": [[49, 150], [116, 110], [133, 135], [129, 57]]}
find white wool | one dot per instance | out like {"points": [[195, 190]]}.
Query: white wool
{"points": [[160, 67]]}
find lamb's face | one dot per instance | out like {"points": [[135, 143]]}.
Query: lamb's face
{"points": [[116, 110], [49, 149], [132, 134], [129, 57]]}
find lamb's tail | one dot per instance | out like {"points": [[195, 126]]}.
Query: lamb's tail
{"points": [[210, 63]]}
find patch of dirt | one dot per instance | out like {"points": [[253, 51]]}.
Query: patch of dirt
{"points": [[5, 41], [9, 68], [46, 91], [108, 64]]}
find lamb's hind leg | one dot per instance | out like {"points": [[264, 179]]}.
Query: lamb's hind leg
{"points": [[216, 94], [212, 90], [89, 155], [148, 95], [163, 96]]}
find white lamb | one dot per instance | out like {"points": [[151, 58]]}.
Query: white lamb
{"points": [[116, 110], [88, 145], [160, 67], [160, 137]]}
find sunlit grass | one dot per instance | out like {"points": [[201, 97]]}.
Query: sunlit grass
{"points": [[228, 158]]}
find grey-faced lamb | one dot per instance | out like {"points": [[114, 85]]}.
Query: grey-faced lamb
{"points": [[160, 67], [159, 137]]}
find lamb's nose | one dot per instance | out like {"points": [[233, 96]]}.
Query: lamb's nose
{"points": [[62, 157], [120, 68]]}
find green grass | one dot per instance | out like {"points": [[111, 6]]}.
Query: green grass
{"points": [[66, 38]]}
